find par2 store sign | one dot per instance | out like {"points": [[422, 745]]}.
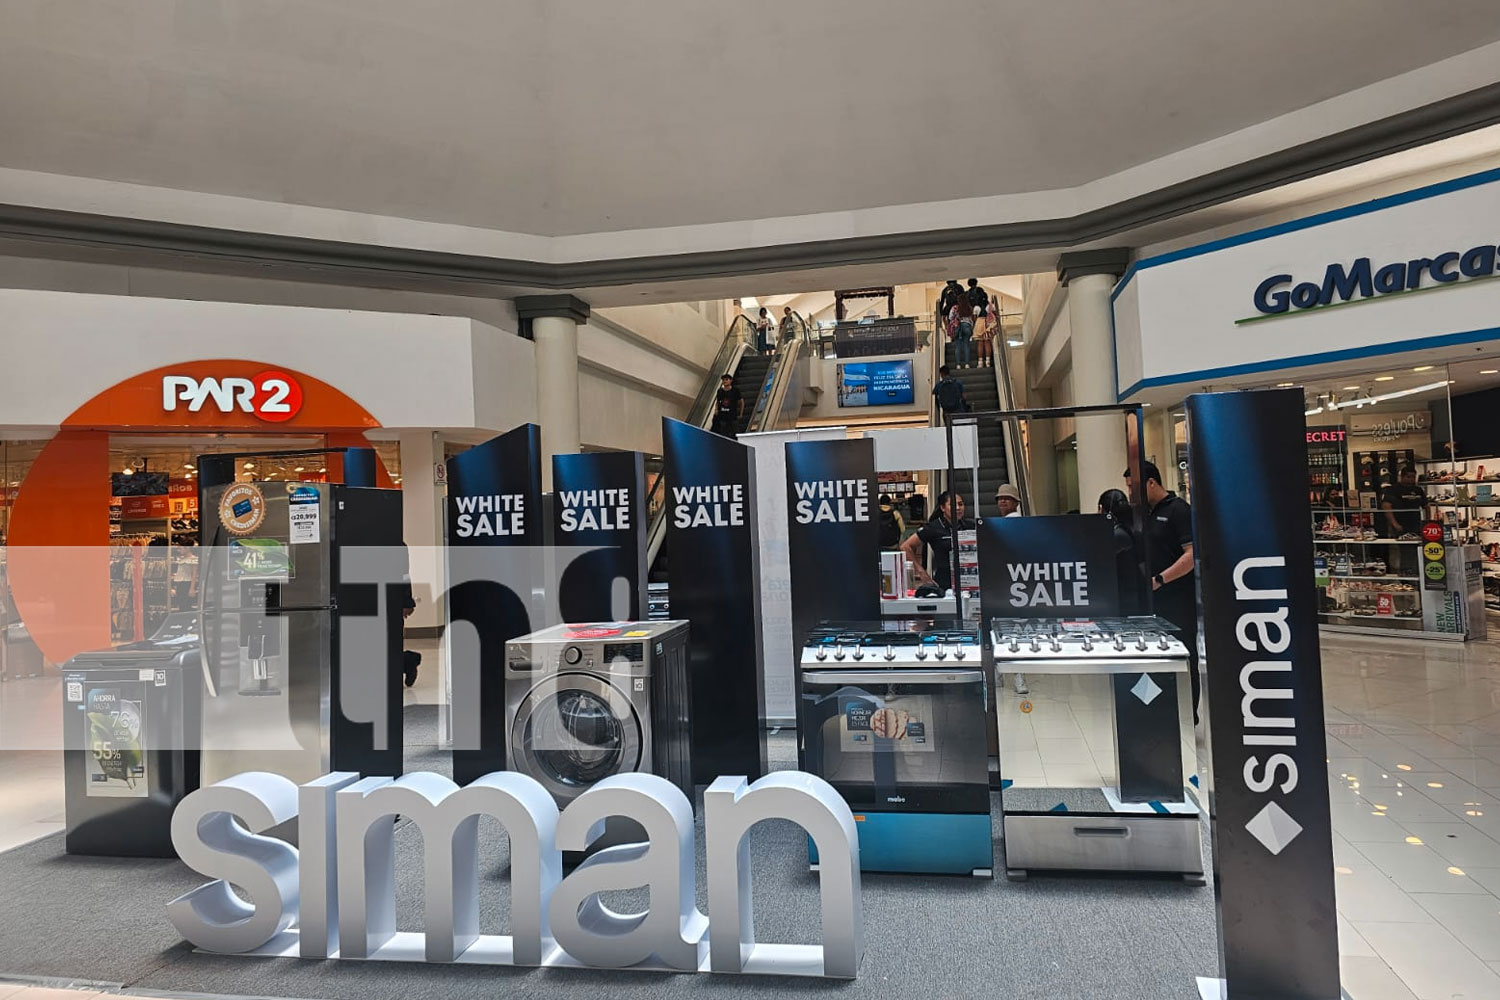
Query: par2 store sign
{"points": [[271, 396]]}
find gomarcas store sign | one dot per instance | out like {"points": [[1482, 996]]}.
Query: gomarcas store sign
{"points": [[335, 897]]}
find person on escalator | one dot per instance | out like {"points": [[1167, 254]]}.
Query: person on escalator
{"points": [[763, 332], [788, 331], [950, 395], [729, 407]]}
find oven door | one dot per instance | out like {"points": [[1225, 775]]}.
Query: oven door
{"points": [[898, 740]]}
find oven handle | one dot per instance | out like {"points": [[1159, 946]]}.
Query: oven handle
{"points": [[863, 677]]}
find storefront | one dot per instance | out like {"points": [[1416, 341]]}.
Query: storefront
{"points": [[1387, 315], [99, 460]]}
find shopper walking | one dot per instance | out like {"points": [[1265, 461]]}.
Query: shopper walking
{"points": [[950, 395], [1168, 537], [936, 535], [729, 407]]}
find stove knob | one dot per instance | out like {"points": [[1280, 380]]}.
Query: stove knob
{"points": [[572, 654], [1088, 644], [838, 654], [1036, 646], [1141, 642], [921, 653], [1119, 644], [890, 654], [1056, 646], [1015, 647], [859, 653], [822, 654], [942, 653], [1162, 642], [958, 653]]}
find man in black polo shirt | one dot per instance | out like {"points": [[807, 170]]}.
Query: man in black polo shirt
{"points": [[935, 534], [1169, 554], [1403, 506]]}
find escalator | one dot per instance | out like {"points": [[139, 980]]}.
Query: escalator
{"points": [[770, 386]]}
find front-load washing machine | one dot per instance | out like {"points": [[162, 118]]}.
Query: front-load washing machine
{"points": [[587, 701]]}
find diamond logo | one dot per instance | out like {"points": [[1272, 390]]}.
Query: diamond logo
{"points": [[1274, 828], [1146, 689]]}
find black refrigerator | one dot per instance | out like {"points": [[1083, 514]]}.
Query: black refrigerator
{"points": [[302, 645]]}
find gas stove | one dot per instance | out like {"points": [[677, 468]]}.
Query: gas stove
{"points": [[1102, 639], [905, 643]]}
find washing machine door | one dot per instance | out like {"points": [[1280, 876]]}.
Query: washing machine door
{"points": [[574, 730]]}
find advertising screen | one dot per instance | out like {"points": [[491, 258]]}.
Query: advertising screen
{"points": [[876, 383]]}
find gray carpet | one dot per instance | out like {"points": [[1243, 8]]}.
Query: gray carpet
{"points": [[1058, 938]]}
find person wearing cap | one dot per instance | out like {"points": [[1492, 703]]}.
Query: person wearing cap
{"points": [[1008, 499]]}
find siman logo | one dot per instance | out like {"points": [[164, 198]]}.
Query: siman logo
{"points": [[1267, 709], [271, 396]]}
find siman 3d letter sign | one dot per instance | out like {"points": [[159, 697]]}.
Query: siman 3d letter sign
{"points": [[335, 897]]}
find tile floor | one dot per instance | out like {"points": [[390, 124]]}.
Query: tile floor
{"points": [[1414, 771]]}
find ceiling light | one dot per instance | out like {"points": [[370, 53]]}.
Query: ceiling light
{"points": [[1434, 784], [1422, 368], [1369, 400], [297, 469], [188, 465], [1344, 870], [1013, 343], [1414, 841], [1285, 385], [1455, 871], [1489, 371], [128, 471], [323, 470], [1351, 388], [249, 465], [1385, 378]]}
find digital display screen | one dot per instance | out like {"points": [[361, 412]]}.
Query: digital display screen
{"points": [[875, 383]]}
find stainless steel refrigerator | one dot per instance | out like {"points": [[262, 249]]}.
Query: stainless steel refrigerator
{"points": [[302, 651]]}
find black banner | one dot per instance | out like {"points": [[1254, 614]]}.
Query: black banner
{"points": [[599, 499], [1273, 853], [495, 531], [833, 537], [1059, 566], [713, 574]]}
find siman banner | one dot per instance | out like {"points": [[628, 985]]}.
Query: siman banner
{"points": [[833, 536], [494, 534], [1273, 854], [714, 583], [599, 501]]}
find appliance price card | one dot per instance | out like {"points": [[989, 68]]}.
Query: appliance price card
{"points": [[304, 515]]}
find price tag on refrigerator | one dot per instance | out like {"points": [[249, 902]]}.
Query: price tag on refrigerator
{"points": [[304, 514]]}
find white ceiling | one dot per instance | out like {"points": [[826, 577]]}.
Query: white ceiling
{"points": [[560, 117]]}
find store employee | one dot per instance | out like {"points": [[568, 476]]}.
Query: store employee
{"points": [[1169, 554], [1402, 505], [935, 534]]}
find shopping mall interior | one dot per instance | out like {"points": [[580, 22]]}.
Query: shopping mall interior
{"points": [[790, 362]]}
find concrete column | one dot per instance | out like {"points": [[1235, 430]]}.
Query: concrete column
{"points": [[422, 524], [554, 329], [1089, 277]]}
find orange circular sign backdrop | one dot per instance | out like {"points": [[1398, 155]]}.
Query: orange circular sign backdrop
{"points": [[58, 549]]}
